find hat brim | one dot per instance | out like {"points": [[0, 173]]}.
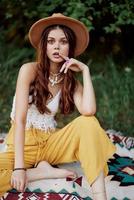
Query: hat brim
{"points": [[80, 30]]}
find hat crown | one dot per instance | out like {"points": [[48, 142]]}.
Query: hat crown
{"points": [[79, 29], [57, 15]]}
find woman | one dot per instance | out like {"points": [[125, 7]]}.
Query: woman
{"points": [[33, 141]]}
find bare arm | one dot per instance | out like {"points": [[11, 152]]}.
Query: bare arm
{"points": [[84, 96], [22, 90], [21, 106]]}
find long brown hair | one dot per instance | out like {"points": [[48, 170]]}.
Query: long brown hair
{"points": [[39, 88]]}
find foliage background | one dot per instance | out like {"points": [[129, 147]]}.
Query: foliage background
{"points": [[109, 54]]}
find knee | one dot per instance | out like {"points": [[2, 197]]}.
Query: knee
{"points": [[86, 120], [86, 124]]}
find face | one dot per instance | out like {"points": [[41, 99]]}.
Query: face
{"points": [[57, 43]]}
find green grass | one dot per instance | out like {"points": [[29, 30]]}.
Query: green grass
{"points": [[113, 83], [115, 97], [114, 89]]}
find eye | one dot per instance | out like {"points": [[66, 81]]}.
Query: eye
{"points": [[64, 41], [50, 41]]}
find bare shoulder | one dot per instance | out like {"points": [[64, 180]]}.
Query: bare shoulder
{"points": [[28, 71]]}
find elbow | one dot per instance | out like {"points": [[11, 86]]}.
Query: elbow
{"points": [[88, 112]]}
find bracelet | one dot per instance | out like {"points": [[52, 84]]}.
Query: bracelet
{"points": [[19, 169]]}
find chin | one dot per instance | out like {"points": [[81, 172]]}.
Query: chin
{"points": [[56, 60]]}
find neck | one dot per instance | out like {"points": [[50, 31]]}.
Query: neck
{"points": [[54, 67]]}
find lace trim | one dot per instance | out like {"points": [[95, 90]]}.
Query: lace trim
{"points": [[37, 120], [40, 121]]}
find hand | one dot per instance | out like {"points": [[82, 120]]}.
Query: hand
{"points": [[72, 64], [19, 180]]}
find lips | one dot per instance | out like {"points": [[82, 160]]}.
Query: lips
{"points": [[56, 55]]}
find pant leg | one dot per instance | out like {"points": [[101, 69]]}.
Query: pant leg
{"points": [[6, 166], [83, 140], [31, 149]]}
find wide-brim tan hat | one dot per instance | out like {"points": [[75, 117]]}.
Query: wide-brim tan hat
{"points": [[80, 30]]}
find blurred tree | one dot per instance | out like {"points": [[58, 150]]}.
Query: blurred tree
{"points": [[102, 15], [111, 30]]}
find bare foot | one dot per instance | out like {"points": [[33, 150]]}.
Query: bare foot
{"points": [[51, 172]]}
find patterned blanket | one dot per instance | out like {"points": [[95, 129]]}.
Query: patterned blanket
{"points": [[119, 182]]}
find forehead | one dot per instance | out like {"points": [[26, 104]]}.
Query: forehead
{"points": [[56, 33]]}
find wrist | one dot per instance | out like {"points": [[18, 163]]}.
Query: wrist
{"points": [[85, 68], [20, 168], [19, 163]]}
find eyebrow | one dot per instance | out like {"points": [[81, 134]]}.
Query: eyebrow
{"points": [[54, 38]]}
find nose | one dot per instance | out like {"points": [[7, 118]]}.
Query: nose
{"points": [[57, 45]]}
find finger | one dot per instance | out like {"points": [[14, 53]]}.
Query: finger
{"points": [[64, 57], [15, 184], [18, 185], [68, 64], [63, 66], [11, 182], [26, 185], [66, 69], [22, 186]]}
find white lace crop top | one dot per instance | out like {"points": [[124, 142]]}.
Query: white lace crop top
{"points": [[37, 120]]}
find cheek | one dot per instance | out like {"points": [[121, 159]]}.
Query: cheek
{"points": [[49, 49], [65, 49]]}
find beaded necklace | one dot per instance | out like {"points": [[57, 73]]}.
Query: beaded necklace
{"points": [[55, 79]]}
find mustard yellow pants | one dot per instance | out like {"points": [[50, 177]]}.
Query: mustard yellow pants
{"points": [[82, 140]]}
